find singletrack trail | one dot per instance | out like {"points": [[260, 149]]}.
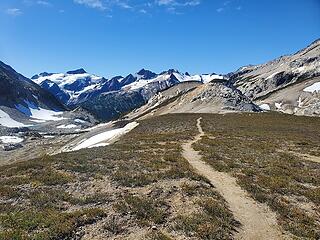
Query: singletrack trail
{"points": [[257, 220]]}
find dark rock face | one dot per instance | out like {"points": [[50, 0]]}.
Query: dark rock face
{"points": [[128, 79], [11, 147], [113, 101], [78, 85], [32, 135], [118, 78], [16, 89], [227, 97], [170, 71], [112, 105], [55, 90], [196, 97], [44, 74], [77, 71], [282, 78], [111, 85], [146, 74]]}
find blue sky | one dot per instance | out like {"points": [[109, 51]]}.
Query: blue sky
{"points": [[112, 37]]}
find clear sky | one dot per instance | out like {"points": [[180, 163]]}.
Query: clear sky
{"points": [[117, 37]]}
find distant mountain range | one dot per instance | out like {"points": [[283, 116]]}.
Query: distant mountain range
{"points": [[77, 86], [289, 84], [111, 98]]}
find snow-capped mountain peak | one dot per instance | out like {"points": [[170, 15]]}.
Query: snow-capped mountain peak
{"points": [[68, 87], [77, 86], [145, 74]]}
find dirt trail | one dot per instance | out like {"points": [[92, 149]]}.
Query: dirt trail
{"points": [[257, 220]]}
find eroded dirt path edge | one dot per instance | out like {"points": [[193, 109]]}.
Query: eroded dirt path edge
{"points": [[257, 220]]}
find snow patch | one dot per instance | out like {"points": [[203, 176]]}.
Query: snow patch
{"points": [[141, 83], [205, 78], [243, 68], [313, 88], [100, 145], [67, 126], [79, 121], [272, 75], [38, 113], [7, 121], [37, 121], [208, 78], [49, 136], [105, 137], [10, 139], [265, 106], [278, 105], [300, 103], [44, 114]]}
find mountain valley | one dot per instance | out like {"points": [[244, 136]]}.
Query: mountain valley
{"points": [[162, 156]]}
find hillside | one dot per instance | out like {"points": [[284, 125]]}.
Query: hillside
{"points": [[288, 84], [194, 97], [21, 100], [142, 188]]}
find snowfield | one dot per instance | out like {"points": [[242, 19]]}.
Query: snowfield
{"points": [[7, 121], [313, 88], [38, 114], [67, 126], [46, 115], [63, 79], [103, 139], [10, 139]]}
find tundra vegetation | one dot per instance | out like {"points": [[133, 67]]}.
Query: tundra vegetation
{"points": [[275, 157], [137, 188], [142, 188]]}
